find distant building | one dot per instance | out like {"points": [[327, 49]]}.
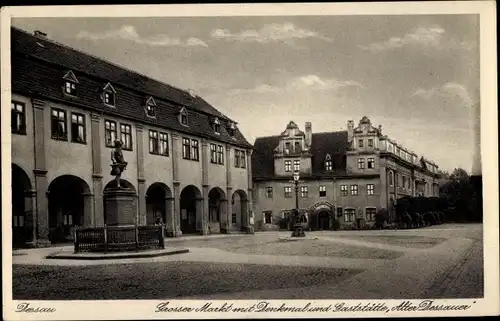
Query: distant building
{"points": [[188, 163], [346, 174]]}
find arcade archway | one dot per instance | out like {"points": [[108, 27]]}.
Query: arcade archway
{"points": [[190, 204], [22, 207], [239, 217], [69, 206], [217, 208], [322, 216], [158, 203]]}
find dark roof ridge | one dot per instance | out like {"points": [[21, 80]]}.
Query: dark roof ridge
{"points": [[334, 132], [126, 69]]}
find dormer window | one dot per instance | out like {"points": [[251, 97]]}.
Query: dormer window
{"points": [[216, 125], [70, 83], [108, 95], [231, 129], [151, 107], [183, 117], [328, 163], [287, 148]]}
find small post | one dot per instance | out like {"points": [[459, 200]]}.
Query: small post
{"points": [[162, 236], [105, 239], [77, 246], [136, 230]]}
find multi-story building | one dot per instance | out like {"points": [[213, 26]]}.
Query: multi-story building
{"points": [[187, 162], [346, 174]]}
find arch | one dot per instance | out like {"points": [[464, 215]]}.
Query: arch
{"points": [[69, 205], [239, 216], [123, 183], [191, 206], [158, 196], [22, 207], [217, 208], [322, 216]]}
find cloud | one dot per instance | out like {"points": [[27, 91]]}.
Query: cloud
{"points": [[433, 37], [130, 33], [286, 32], [449, 90], [306, 82]]}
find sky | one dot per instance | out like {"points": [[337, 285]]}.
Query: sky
{"points": [[416, 75]]}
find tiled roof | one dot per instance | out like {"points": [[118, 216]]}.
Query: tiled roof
{"points": [[333, 143], [38, 66]]}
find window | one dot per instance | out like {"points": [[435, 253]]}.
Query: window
{"points": [[186, 151], [268, 217], [110, 132], [361, 163], [350, 215], [391, 178], [322, 191], [371, 162], [18, 220], [18, 118], [242, 159], [404, 182], [231, 129], [288, 166], [409, 183], [183, 117], [77, 128], [370, 188], [233, 218], [296, 165], [109, 98], [354, 189], [303, 191], [213, 153], [59, 130], [360, 143], [153, 142], [288, 191], [216, 126], [163, 144], [269, 192], [370, 142], [70, 88], [370, 214], [287, 148], [236, 158], [195, 151], [150, 110], [220, 155], [68, 219], [340, 211], [126, 136], [328, 165], [297, 146], [343, 190]]}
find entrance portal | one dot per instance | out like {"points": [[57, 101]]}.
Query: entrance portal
{"points": [[323, 221]]}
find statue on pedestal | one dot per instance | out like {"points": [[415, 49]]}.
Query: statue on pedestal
{"points": [[119, 164]]}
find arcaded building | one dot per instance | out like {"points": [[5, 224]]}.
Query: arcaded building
{"points": [[347, 175], [188, 164]]}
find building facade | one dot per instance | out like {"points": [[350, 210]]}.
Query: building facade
{"points": [[187, 162], [348, 175]]}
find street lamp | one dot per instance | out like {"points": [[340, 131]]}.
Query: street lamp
{"points": [[298, 229]]}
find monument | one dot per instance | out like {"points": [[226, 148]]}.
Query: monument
{"points": [[121, 206]]}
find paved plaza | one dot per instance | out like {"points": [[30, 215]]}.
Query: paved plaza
{"points": [[444, 261]]}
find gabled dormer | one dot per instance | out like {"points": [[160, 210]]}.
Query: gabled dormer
{"points": [[328, 163], [150, 107], [231, 128], [216, 125], [183, 117], [70, 83], [365, 136], [109, 95], [292, 153]]}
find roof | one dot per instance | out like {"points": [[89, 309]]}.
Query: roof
{"points": [[333, 143], [38, 65]]}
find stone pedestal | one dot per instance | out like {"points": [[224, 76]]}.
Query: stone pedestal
{"points": [[121, 206]]}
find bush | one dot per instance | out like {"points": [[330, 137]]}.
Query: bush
{"points": [[381, 217]]}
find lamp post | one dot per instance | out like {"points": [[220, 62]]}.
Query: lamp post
{"points": [[298, 229]]}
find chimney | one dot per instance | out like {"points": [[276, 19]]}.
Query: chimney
{"points": [[308, 134], [39, 34], [350, 130]]}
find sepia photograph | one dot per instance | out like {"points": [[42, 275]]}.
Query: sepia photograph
{"points": [[248, 158]]}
